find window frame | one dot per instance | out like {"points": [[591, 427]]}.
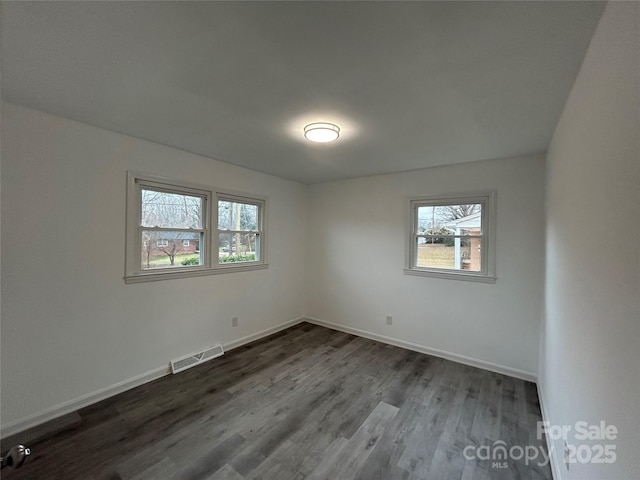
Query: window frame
{"points": [[236, 198], [208, 248], [488, 221]]}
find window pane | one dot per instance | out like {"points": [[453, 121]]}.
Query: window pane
{"points": [[237, 216], [170, 249], [472, 255], [454, 253], [170, 210], [449, 219], [238, 247], [434, 255]]}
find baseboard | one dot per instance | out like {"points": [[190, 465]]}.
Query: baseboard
{"points": [[264, 333], [553, 458], [454, 357], [70, 406]]}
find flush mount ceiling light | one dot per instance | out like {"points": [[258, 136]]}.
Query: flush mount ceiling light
{"points": [[321, 132]]}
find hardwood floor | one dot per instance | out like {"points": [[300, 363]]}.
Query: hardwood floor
{"points": [[305, 403]]}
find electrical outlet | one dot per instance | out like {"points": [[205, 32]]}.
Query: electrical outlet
{"points": [[234, 322], [389, 320]]}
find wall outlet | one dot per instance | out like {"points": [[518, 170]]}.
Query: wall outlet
{"points": [[234, 321], [389, 320]]}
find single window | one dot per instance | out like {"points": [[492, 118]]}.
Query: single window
{"points": [[452, 237], [164, 217], [239, 230]]}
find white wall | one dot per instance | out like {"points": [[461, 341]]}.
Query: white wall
{"points": [[356, 254], [70, 326], [590, 361]]}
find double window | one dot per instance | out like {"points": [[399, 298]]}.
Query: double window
{"points": [[453, 237], [171, 225]]}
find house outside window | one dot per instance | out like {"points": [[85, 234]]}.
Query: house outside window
{"points": [[452, 237]]}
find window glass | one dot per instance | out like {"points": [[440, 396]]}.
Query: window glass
{"points": [[169, 249], [170, 210], [449, 237], [237, 216], [238, 232]]}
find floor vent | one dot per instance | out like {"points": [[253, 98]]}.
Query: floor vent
{"points": [[197, 358]]}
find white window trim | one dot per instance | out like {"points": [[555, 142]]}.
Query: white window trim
{"points": [[133, 271], [186, 243], [240, 198], [488, 273]]}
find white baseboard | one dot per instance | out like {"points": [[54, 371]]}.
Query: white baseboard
{"points": [[553, 458], [70, 406], [264, 333], [474, 362]]}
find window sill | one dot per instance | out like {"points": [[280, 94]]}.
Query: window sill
{"points": [[467, 277], [171, 275]]}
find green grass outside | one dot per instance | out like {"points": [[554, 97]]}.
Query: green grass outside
{"points": [[164, 261], [158, 262], [436, 255]]}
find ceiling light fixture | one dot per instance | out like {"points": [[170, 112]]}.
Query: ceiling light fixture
{"points": [[321, 132]]}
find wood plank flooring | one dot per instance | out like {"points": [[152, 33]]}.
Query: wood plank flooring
{"points": [[305, 403]]}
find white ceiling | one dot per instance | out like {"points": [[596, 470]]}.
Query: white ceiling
{"points": [[411, 84]]}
